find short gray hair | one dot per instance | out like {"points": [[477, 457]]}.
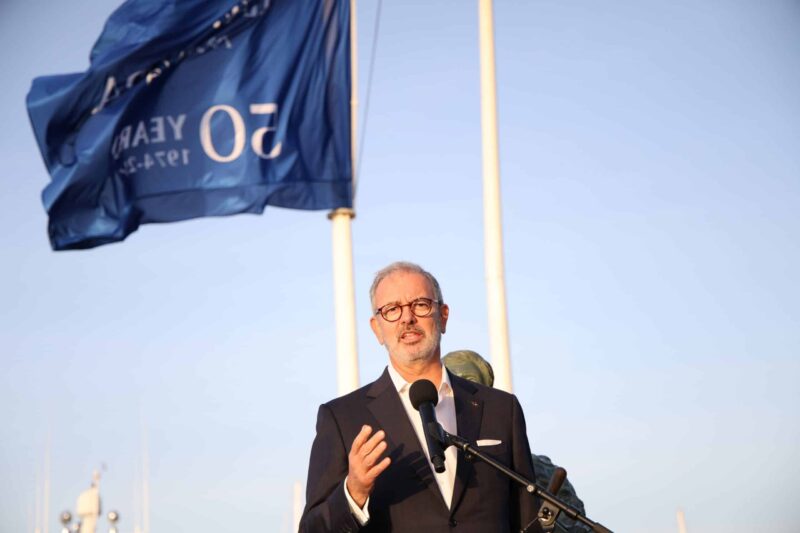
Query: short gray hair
{"points": [[403, 266]]}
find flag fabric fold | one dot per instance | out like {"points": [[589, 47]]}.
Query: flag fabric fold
{"points": [[197, 108]]}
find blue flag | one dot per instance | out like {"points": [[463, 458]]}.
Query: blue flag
{"points": [[197, 108]]}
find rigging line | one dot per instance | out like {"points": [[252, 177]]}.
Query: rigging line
{"points": [[357, 170]]}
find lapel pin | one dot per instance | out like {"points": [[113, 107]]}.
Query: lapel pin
{"points": [[474, 403]]}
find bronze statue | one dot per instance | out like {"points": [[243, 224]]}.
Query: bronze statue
{"points": [[470, 365]]}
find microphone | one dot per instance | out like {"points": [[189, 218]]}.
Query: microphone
{"points": [[424, 397], [559, 476]]}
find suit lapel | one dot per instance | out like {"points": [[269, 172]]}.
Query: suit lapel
{"points": [[403, 445], [469, 412]]}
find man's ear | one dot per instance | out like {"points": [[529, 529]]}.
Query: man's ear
{"points": [[373, 323], [444, 313]]}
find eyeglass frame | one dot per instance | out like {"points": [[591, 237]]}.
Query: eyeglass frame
{"points": [[410, 305]]}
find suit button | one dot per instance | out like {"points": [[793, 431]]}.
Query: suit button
{"points": [[453, 523]]}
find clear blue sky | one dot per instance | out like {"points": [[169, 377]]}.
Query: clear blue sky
{"points": [[650, 162]]}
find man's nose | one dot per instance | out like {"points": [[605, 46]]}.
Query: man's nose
{"points": [[407, 316]]}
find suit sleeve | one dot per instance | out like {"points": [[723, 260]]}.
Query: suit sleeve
{"points": [[327, 509], [524, 506]]}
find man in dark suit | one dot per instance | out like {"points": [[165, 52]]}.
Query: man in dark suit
{"points": [[369, 469]]}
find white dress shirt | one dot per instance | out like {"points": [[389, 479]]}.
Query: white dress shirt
{"points": [[446, 415]]}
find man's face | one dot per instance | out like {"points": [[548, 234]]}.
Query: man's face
{"points": [[411, 339]]}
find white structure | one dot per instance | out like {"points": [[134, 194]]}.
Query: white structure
{"points": [[344, 294], [681, 522], [492, 219], [88, 507]]}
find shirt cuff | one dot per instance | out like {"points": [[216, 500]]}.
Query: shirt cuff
{"points": [[361, 514]]}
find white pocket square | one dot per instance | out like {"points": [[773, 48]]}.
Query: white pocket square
{"points": [[488, 442]]}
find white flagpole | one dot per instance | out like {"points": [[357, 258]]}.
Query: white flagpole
{"points": [[145, 482], [341, 219], [46, 494], [492, 224], [297, 505], [681, 522], [38, 513], [344, 301]]}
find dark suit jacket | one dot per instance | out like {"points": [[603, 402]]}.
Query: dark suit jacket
{"points": [[406, 496]]}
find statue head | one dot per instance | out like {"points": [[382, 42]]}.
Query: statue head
{"points": [[469, 365]]}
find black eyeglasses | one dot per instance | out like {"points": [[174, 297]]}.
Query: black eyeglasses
{"points": [[421, 307]]}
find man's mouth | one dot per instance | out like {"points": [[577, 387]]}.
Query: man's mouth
{"points": [[411, 335]]}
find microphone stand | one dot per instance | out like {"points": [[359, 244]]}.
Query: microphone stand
{"points": [[552, 506]]}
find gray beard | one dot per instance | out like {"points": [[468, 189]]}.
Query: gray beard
{"points": [[417, 357]]}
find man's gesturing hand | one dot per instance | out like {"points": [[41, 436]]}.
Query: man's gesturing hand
{"points": [[364, 467]]}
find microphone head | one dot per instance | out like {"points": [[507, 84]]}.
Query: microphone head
{"points": [[559, 476], [422, 391]]}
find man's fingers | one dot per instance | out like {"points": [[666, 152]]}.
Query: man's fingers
{"points": [[358, 442], [372, 457], [370, 445], [376, 470], [365, 453], [363, 471]]}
